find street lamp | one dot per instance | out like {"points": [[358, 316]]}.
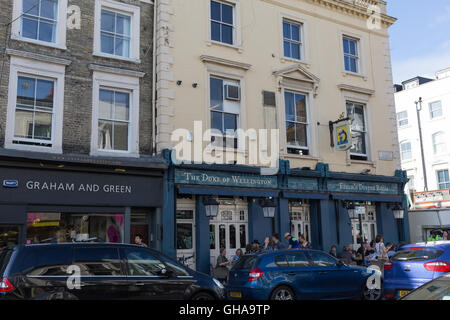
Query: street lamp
{"points": [[211, 207], [269, 207], [398, 212], [350, 206]]}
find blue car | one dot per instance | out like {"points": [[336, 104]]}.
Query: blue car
{"points": [[299, 275], [414, 265]]}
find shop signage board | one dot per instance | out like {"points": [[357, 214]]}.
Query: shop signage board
{"points": [[306, 184], [342, 135], [224, 179], [362, 187], [79, 188], [431, 199]]}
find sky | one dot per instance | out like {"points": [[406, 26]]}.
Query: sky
{"points": [[420, 39]]}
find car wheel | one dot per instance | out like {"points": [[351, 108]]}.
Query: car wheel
{"points": [[203, 296], [282, 294], [372, 294]]}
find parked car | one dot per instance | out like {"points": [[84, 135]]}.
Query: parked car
{"points": [[106, 271], [437, 289], [298, 275], [414, 265]]}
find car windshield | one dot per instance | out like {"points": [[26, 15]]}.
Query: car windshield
{"points": [[245, 263], [417, 255], [435, 290]]}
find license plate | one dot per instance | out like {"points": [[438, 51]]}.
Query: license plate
{"points": [[403, 293], [235, 295]]}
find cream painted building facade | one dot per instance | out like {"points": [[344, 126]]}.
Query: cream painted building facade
{"points": [[291, 65]]}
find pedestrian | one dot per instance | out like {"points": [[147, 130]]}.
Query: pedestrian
{"points": [[277, 244], [139, 240], [380, 249], [362, 255], [333, 251], [445, 235], [347, 255], [238, 255], [293, 242], [255, 248], [392, 250], [248, 248], [268, 245], [221, 270], [304, 244]]}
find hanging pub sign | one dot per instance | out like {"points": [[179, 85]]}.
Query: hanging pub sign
{"points": [[342, 135]]}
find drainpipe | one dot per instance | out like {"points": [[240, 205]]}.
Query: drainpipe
{"points": [[154, 78], [418, 109]]}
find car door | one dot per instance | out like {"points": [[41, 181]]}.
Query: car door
{"points": [[148, 277], [101, 273]]}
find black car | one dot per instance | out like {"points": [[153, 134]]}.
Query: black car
{"points": [[86, 271]]}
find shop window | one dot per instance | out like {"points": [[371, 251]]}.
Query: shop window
{"points": [[143, 263], [184, 236], [243, 235], [212, 236], [9, 236], [69, 227], [232, 237], [227, 215], [242, 215], [222, 236], [97, 261], [185, 214]]}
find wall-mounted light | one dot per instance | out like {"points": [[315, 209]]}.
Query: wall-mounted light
{"points": [[179, 82], [194, 85], [350, 206], [269, 207], [399, 212], [211, 207]]}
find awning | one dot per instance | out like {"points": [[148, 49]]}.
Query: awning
{"points": [[217, 191], [305, 195], [367, 197]]}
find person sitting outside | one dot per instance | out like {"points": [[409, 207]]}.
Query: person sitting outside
{"points": [[293, 242], [333, 251], [304, 244], [277, 244]]}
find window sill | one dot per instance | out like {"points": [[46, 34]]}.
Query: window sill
{"points": [[296, 156], [408, 126], [354, 74], [437, 119], [39, 42], [110, 56], [408, 161], [112, 153], [22, 147], [366, 162], [286, 59], [232, 46]]}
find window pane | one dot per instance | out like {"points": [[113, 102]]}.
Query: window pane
{"points": [[184, 236], [122, 47], [286, 30], [300, 103], [106, 100], [23, 127], [43, 125], [216, 93], [44, 93], [352, 47], [295, 32], [29, 28], [290, 106], [143, 263], [353, 65], [215, 10], [30, 7], [301, 136], [121, 136], [295, 51], [123, 25], [216, 121], [215, 31], [347, 63], [107, 43], [242, 235], [47, 31], [212, 236], [227, 14], [48, 261], [105, 135], [227, 34], [359, 143], [230, 122], [25, 91], [122, 106], [108, 21], [97, 261], [287, 49], [346, 45], [222, 238], [290, 133], [48, 9], [232, 236]]}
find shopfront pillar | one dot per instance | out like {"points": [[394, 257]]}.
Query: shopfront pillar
{"points": [[283, 224], [202, 249], [259, 227]]}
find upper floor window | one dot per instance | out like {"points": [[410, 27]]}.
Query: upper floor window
{"points": [[225, 109], [439, 144], [222, 22], [356, 113], [292, 40], [117, 30], [402, 118], [405, 149], [297, 124], [39, 19], [115, 33], [435, 109], [443, 179], [351, 54]]}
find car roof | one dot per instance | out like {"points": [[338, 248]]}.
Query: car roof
{"points": [[273, 253], [442, 244], [80, 244]]}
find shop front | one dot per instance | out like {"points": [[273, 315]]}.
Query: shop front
{"points": [[226, 207], [64, 199]]}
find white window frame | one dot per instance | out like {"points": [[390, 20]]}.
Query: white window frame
{"points": [[135, 14], [307, 123], [237, 34], [402, 152], [61, 26], [116, 82], [301, 43], [431, 111], [437, 179], [37, 69], [399, 120], [358, 52], [433, 142], [366, 132]]}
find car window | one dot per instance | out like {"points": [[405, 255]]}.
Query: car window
{"points": [[321, 259], [5, 256], [52, 261], [281, 261], [434, 290], [297, 259], [143, 263], [417, 255], [178, 270], [97, 261], [245, 263]]}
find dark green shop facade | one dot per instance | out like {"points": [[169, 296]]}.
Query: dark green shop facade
{"points": [[315, 203]]}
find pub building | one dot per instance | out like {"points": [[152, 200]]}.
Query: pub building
{"points": [[229, 206], [64, 198]]}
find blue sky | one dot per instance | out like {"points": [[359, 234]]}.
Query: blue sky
{"points": [[420, 39]]}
